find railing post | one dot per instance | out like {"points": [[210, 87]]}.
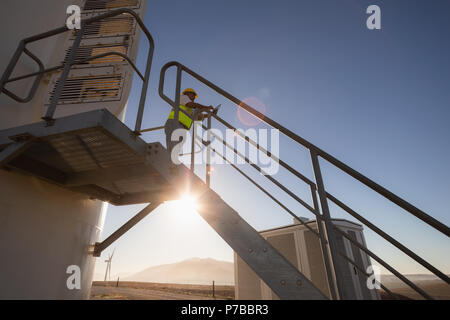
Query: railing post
{"points": [[140, 113], [62, 80], [176, 107], [208, 152], [328, 225], [325, 247], [194, 132]]}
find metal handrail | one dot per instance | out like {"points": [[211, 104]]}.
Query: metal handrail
{"points": [[70, 61], [175, 104], [35, 83], [352, 242], [353, 173], [268, 153], [319, 218], [387, 237], [342, 205], [256, 184], [276, 182], [315, 152]]}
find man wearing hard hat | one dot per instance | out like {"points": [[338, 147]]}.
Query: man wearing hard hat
{"points": [[184, 120]]}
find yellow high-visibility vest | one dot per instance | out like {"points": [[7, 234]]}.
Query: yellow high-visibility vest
{"points": [[182, 117]]}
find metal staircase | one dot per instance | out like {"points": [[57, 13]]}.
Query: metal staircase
{"points": [[327, 231], [94, 153]]}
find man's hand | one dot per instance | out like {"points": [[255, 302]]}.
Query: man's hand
{"points": [[199, 106]]}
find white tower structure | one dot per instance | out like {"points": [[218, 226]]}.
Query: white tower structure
{"points": [[44, 228]]}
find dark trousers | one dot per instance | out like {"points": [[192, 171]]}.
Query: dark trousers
{"points": [[170, 126]]}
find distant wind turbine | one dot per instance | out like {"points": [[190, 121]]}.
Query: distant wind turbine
{"points": [[108, 266]]}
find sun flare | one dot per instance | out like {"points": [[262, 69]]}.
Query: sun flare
{"points": [[187, 203], [184, 209]]}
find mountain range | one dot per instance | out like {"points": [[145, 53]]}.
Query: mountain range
{"points": [[190, 271]]}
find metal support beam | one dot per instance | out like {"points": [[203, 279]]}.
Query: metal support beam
{"points": [[100, 246], [31, 166], [165, 194], [152, 129], [320, 234], [109, 174], [272, 267], [328, 224], [12, 151], [326, 252], [97, 192]]}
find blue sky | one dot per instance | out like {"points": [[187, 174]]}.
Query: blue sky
{"points": [[378, 100]]}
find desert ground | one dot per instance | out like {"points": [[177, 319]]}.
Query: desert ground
{"points": [[129, 290], [437, 289]]}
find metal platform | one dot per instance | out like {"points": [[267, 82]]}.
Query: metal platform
{"points": [[93, 153]]}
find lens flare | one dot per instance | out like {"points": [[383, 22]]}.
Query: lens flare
{"points": [[247, 118]]}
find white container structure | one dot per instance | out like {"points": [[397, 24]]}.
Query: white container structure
{"points": [[44, 228], [302, 248]]}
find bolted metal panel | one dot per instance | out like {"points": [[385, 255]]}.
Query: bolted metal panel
{"points": [[275, 270]]}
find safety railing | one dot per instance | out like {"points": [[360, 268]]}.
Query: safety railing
{"points": [[70, 61], [326, 230]]}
